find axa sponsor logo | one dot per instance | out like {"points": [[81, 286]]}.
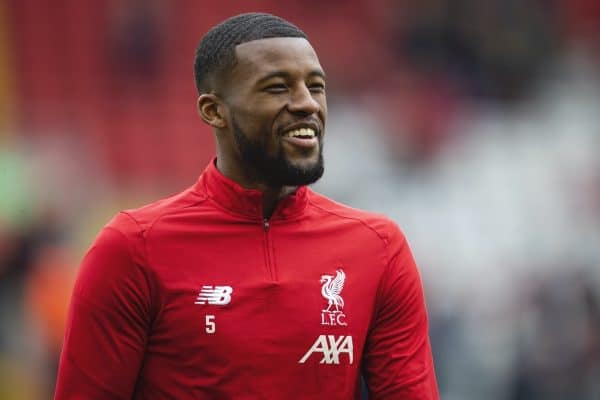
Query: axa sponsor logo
{"points": [[214, 295], [331, 290], [331, 348]]}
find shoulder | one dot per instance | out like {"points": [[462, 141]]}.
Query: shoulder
{"points": [[133, 225], [144, 217], [118, 258], [379, 224]]}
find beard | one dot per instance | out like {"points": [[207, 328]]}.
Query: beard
{"points": [[275, 170]]}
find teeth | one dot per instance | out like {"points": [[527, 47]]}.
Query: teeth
{"points": [[307, 132]]}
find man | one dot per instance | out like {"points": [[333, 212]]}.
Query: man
{"points": [[249, 285]]}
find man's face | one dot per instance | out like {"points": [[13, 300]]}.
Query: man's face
{"points": [[277, 110]]}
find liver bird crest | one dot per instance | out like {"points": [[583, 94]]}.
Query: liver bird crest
{"points": [[331, 289]]}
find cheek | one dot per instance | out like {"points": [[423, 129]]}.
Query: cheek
{"points": [[258, 131], [258, 116], [258, 125], [248, 124], [323, 103]]}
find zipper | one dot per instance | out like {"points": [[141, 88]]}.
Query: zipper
{"points": [[268, 251]]}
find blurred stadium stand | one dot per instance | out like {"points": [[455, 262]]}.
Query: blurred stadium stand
{"points": [[475, 125]]}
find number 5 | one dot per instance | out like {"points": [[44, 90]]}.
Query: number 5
{"points": [[210, 324]]}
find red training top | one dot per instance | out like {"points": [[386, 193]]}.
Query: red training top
{"points": [[198, 297]]}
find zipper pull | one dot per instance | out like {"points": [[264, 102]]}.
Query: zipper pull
{"points": [[266, 224]]}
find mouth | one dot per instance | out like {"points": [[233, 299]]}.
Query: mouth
{"points": [[304, 136]]}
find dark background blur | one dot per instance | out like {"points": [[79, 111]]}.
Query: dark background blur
{"points": [[474, 124]]}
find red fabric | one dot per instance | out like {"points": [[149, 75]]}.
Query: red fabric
{"points": [[134, 330]]}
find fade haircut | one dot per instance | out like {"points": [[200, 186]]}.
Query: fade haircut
{"points": [[215, 54]]}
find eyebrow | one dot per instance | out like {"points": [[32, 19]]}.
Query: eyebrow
{"points": [[284, 74]]}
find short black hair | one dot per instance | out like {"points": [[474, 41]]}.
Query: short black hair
{"points": [[216, 52]]}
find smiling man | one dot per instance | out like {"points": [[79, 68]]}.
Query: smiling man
{"points": [[249, 285], [268, 110]]}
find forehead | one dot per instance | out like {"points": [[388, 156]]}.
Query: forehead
{"points": [[259, 57]]}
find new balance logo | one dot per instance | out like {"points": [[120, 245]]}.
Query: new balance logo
{"points": [[331, 347], [218, 295]]}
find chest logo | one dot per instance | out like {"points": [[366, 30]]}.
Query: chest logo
{"points": [[331, 290], [331, 347], [217, 295]]}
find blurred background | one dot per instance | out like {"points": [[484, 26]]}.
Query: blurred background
{"points": [[473, 124]]}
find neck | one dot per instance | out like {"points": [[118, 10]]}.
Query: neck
{"points": [[248, 180], [272, 196]]}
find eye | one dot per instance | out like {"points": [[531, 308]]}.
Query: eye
{"points": [[276, 88], [317, 87]]}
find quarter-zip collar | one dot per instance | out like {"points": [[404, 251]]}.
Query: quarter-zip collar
{"points": [[247, 202]]}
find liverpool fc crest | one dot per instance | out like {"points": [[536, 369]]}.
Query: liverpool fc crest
{"points": [[331, 291]]}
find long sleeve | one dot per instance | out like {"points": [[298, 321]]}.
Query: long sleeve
{"points": [[398, 362], [108, 323]]}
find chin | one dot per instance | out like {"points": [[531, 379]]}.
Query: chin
{"points": [[306, 163], [302, 171]]}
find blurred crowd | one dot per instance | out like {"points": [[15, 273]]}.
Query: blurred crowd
{"points": [[473, 124]]}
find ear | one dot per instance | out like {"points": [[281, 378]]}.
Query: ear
{"points": [[211, 110]]}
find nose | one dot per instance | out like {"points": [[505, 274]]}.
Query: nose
{"points": [[302, 101]]}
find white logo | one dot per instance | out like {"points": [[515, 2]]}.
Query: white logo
{"points": [[331, 289], [332, 348], [219, 295]]}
